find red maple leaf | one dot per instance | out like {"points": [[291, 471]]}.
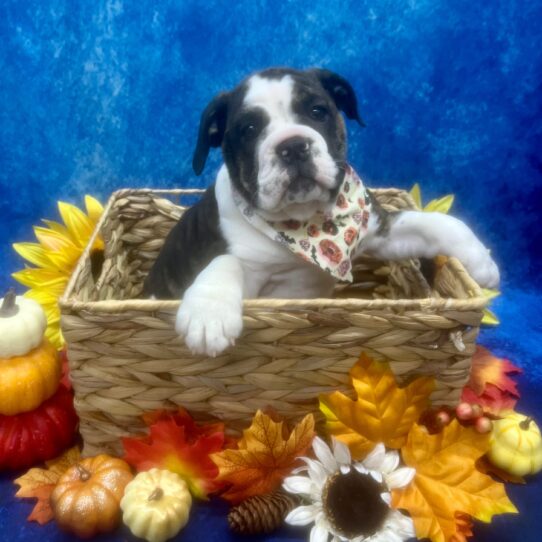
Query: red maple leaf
{"points": [[493, 399], [178, 444], [488, 369]]}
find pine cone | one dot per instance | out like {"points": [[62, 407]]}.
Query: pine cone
{"points": [[261, 514]]}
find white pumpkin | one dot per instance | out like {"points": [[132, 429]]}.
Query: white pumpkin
{"points": [[22, 324], [156, 505]]}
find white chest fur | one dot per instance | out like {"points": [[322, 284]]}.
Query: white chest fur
{"points": [[270, 270]]}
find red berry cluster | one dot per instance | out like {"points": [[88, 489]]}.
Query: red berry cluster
{"points": [[473, 415], [436, 419]]}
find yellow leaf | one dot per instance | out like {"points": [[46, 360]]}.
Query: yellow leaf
{"points": [[382, 412], [440, 205], [416, 194], [265, 456], [490, 294], [447, 482], [39, 484], [490, 318]]}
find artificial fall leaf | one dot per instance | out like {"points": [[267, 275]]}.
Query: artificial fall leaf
{"points": [[182, 418], [382, 412], [493, 400], [39, 484], [489, 318], [178, 444], [441, 205], [489, 369], [266, 454], [447, 482], [464, 528]]}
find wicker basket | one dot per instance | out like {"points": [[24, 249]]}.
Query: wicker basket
{"points": [[125, 358]]}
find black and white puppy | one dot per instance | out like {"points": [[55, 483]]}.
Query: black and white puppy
{"points": [[284, 145]]}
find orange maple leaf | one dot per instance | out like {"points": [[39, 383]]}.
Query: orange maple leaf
{"points": [[382, 412], [266, 454], [489, 369], [464, 528], [447, 482], [39, 484]]}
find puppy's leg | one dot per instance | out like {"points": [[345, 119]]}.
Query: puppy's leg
{"points": [[210, 317], [415, 234]]}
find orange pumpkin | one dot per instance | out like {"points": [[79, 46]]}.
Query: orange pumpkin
{"points": [[29, 364], [86, 500], [28, 380]]}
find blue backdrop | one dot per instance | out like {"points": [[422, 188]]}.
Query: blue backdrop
{"points": [[106, 94], [98, 95]]}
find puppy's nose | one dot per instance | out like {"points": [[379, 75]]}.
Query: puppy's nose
{"points": [[294, 149]]}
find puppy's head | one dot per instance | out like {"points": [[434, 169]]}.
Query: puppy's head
{"points": [[283, 139]]}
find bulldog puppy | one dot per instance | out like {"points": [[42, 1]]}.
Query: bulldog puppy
{"points": [[287, 213]]}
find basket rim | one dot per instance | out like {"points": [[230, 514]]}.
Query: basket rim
{"points": [[68, 301]]}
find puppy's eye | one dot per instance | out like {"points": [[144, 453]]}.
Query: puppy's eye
{"points": [[319, 112], [248, 131]]}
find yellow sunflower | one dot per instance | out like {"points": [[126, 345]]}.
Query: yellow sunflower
{"points": [[55, 256], [443, 205]]}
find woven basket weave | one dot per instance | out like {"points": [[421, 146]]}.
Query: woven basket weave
{"points": [[125, 358]]}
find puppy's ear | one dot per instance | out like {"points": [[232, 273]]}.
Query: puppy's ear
{"points": [[341, 91], [211, 130]]}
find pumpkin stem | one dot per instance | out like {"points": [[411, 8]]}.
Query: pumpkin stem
{"points": [[9, 307], [156, 495], [526, 422], [84, 474]]}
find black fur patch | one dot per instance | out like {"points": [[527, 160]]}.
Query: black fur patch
{"points": [[190, 246], [311, 88]]}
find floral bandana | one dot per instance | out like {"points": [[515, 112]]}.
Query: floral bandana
{"points": [[329, 237]]}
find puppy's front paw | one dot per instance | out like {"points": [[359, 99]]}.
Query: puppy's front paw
{"points": [[455, 238], [209, 319], [481, 267]]}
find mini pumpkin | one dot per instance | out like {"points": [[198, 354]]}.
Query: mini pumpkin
{"points": [[22, 324], [29, 374], [156, 505], [28, 380], [86, 499], [516, 444], [39, 435]]}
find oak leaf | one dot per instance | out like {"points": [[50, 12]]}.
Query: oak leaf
{"points": [[382, 411], [176, 443], [39, 484], [447, 482], [266, 454]]}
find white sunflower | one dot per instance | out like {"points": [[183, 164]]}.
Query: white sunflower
{"points": [[350, 500]]}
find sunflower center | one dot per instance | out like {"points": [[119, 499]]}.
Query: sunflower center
{"points": [[353, 505]]}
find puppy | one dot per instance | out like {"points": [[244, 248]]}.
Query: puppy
{"points": [[286, 188]]}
